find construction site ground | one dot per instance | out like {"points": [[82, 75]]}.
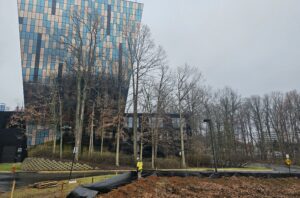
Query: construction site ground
{"points": [[233, 187]]}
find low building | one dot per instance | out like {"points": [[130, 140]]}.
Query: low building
{"points": [[13, 145], [2, 107], [168, 133], [13, 141]]}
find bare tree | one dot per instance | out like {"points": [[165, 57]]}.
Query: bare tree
{"points": [[82, 57], [144, 57], [91, 142], [256, 109], [187, 78], [162, 90], [147, 109]]}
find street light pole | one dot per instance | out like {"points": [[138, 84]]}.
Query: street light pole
{"points": [[212, 143]]}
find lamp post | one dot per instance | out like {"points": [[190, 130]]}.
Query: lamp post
{"points": [[208, 121]]}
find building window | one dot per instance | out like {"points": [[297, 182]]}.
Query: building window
{"points": [[175, 122], [41, 135], [160, 122], [21, 20], [108, 19], [37, 58], [53, 10], [60, 69], [120, 61], [129, 122]]}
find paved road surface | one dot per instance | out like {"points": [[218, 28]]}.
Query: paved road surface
{"points": [[24, 179], [276, 168]]}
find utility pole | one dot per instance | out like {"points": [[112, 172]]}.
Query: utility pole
{"points": [[208, 121]]}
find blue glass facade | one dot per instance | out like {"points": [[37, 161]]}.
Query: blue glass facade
{"points": [[41, 20], [41, 24]]}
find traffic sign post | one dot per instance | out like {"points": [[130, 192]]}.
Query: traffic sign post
{"points": [[13, 171], [288, 162]]}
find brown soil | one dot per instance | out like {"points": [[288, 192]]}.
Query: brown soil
{"points": [[176, 187]]}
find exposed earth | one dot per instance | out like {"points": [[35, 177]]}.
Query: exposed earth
{"points": [[175, 187]]}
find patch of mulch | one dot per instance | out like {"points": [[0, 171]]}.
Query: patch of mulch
{"points": [[233, 187]]}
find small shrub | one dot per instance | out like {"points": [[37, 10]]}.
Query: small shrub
{"points": [[198, 160], [44, 150], [163, 163], [168, 163], [108, 159]]}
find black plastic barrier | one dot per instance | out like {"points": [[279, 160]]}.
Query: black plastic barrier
{"points": [[91, 190]]}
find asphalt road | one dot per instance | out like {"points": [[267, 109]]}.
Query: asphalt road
{"points": [[25, 179], [276, 168]]}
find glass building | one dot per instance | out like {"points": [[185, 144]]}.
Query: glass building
{"points": [[2, 107], [41, 22]]}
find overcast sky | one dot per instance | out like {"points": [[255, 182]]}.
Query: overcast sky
{"points": [[252, 46], [11, 89]]}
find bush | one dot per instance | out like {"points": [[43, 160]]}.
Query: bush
{"points": [[107, 159], [198, 160], [168, 163], [163, 163], [44, 150]]}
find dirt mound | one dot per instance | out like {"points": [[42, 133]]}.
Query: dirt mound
{"points": [[175, 187]]}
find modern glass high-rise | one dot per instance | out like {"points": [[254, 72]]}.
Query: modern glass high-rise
{"points": [[39, 24]]}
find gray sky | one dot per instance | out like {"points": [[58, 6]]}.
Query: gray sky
{"points": [[252, 46], [11, 88]]}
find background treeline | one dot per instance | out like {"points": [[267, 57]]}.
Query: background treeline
{"points": [[87, 101]]}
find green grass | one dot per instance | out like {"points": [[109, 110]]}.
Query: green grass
{"points": [[223, 169], [246, 169], [8, 166], [62, 190]]}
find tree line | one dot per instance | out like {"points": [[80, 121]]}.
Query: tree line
{"points": [[90, 101]]}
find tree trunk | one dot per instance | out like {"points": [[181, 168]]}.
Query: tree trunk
{"points": [[102, 137], [118, 143], [54, 114], [142, 134], [60, 128], [91, 143], [77, 114], [153, 150], [54, 139], [118, 135], [155, 141], [183, 164], [135, 116], [81, 119]]}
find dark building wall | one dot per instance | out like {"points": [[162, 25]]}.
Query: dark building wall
{"points": [[4, 119], [13, 147]]}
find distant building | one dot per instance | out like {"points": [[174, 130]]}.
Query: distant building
{"points": [[2, 107], [5, 118], [168, 131], [13, 146]]}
